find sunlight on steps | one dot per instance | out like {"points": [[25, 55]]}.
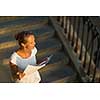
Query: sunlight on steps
{"points": [[20, 28], [7, 45]]}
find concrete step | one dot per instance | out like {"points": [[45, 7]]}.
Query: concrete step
{"points": [[45, 47], [5, 75], [16, 26], [10, 18], [19, 21], [58, 58], [49, 46], [54, 74], [7, 41], [42, 33], [67, 79]]}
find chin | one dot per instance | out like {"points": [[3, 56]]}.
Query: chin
{"points": [[32, 48]]}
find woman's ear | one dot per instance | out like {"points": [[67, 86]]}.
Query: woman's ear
{"points": [[22, 44]]}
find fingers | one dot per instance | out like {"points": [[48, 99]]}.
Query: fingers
{"points": [[21, 75]]}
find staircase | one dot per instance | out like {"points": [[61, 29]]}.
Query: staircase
{"points": [[59, 69]]}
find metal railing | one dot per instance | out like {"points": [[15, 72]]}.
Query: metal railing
{"points": [[84, 37]]}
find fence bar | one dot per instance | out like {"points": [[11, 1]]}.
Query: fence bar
{"points": [[69, 33], [82, 38], [91, 53], [62, 22], [78, 28], [84, 64], [73, 36], [65, 28]]}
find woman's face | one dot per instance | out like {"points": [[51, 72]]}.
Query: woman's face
{"points": [[30, 44]]}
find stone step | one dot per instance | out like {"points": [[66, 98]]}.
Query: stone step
{"points": [[42, 33], [59, 72], [57, 59], [10, 18], [5, 75], [67, 79], [26, 25], [21, 21], [49, 46], [10, 21], [45, 47], [7, 41]]}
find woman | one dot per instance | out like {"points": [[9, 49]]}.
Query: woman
{"points": [[24, 56]]}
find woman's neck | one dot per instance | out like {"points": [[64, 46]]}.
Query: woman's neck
{"points": [[24, 53], [25, 50]]}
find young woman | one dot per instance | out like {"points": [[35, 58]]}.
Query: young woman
{"points": [[24, 56]]}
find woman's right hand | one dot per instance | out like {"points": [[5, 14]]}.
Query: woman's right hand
{"points": [[20, 75]]}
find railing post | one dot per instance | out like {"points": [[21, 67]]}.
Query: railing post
{"points": [[78, 28], [91, 53], [82, 37], [73, 36], [65, 26], [87, 39]]}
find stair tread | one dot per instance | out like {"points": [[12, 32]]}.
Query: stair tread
{"points": [[10, 18], [48, 44], [56, 61], [31, 24], [66, 79], [5, 75], [37, 32], [21, 21], [58, 56], [42, 30], [61, 72]]}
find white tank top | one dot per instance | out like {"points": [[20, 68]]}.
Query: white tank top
{"points": [[23, 62]]}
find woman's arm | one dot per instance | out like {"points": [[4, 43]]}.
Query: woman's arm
{"points": [[16, 73]]}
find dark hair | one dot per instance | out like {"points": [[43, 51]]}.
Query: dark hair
{"points": [[20, 37]]}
